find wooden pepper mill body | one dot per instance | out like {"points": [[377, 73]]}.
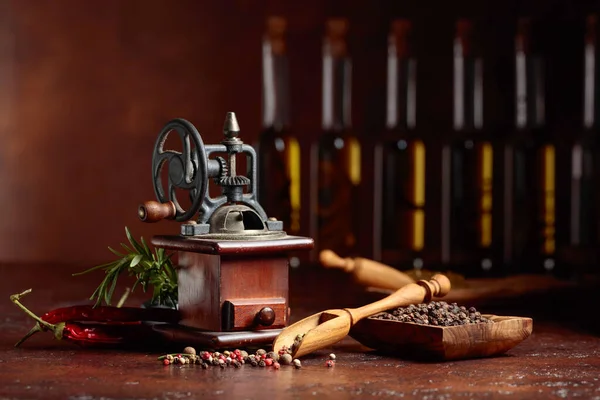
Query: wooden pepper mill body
{"points": [[233, 285]]}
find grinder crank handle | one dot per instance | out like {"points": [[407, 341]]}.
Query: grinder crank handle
{"points": [[413, 293], [153, 211], [367, 272]]}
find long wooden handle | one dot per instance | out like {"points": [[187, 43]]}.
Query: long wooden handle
{"points": [[367, 272], [414, 293]]}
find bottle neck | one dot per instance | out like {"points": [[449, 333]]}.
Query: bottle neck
{"points": [[337, 83], [591, 105], [276, 110], [468, 88], [530, 97], [401, 90]]}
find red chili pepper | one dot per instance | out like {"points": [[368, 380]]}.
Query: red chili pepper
{"points": [[87, 325], [108, 314], [103, 335]]}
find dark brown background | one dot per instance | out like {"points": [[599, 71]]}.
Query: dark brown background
{"points": [[87, 85]]}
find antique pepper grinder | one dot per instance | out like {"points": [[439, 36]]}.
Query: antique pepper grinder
{"points": [[232, 263]]}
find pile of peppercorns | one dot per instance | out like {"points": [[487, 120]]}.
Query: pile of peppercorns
{"points": [[236, 358], [436, 313]]}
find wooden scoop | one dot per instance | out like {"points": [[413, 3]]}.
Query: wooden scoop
{"points": [[366, 272], [328, 327]]}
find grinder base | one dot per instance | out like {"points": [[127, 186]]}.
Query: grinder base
{"points": [[206, 340]]}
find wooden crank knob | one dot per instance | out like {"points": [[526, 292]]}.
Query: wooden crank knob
{"points": [[153, 211]]}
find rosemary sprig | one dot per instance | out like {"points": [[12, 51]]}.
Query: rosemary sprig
{"points": [[151, 270]]}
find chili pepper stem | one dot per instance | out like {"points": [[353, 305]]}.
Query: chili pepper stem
{"points": [[15, 298], [37, 328], [57, 329]]}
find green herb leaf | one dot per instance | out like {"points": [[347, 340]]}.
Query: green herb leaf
{"points": [[153, 270], [147, 251], [138, 247], [116, 253], [94, 268], [136, 260], [112, 289]]}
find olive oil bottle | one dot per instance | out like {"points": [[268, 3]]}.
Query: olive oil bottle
{"points": [[336, 158], [399, 173], [579, 246], [529, 164], [467, 167], [278, 149]]}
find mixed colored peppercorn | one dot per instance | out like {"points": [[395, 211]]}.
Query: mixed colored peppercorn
{"points": [[236, 358], [437, 313], [296, 344]]}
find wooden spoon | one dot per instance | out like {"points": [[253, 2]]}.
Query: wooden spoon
{"points": [[329, 327], [367, 272]]}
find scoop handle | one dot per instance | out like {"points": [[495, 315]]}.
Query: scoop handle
{"points": [[366, 272], [413, 293]]}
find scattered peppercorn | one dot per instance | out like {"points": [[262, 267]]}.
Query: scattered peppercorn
{"points": [[329, 363], [297, 341], [261, 352], [286, 359], [236, 358], [283, 350], [435, 313]]}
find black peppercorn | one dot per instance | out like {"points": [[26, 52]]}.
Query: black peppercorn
{"points": [[437, 313]]}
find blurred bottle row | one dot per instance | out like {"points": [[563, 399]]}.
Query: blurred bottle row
{"points": [[465, 201]]}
